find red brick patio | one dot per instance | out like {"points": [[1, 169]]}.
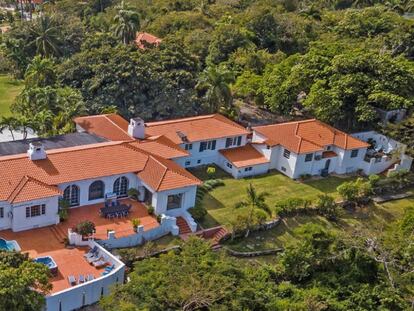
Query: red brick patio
{"points": [[47, 241]]}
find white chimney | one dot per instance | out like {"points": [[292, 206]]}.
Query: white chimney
{"points": [[36, 151], [136, 128]]}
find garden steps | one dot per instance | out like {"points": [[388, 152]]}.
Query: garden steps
{"points": [[58, 232], [183, 226]]}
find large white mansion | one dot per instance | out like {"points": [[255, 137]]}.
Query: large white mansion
{"points": [[111, 155]]}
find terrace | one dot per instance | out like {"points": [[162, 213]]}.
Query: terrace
{"points": [[48, 241]]}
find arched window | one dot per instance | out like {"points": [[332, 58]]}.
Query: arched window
{"points": [[71, 195], [96, 190], [121, 186]]}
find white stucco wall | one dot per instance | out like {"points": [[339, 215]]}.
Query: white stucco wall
{"points": [[83, 185], [5, 222], [240, 172], [159, 200], [197, 158], [19, 221]]}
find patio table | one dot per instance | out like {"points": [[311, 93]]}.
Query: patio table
{"points": [[113, 210]]}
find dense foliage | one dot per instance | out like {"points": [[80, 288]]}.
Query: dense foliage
{"points": [[23, 283], [335, 60], [318, 271]]}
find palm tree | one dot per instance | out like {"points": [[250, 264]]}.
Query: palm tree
{"points": [[126, 24], [218, 92], [46, 36], [40, 72], [256, 205], [9, 123]]}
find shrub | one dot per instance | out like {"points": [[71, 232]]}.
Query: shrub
{"points": [[63, 210], [212, 184], [85, 228], [355, 191], [198, 212], [211, 171], [150, 209], [133, 193], [373, 180], [135, 223], [304, 177], [292, 206], [327, 207]]}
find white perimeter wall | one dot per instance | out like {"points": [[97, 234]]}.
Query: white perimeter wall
{"points": [[90, 292]]}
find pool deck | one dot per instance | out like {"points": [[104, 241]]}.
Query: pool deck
{"points": [[48, 241]]}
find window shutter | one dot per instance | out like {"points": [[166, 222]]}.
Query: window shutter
{"points": [[213, 145], [239, 140]]}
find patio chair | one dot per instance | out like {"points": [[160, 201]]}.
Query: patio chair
{"points": [[100, 263], [91, 252], [81, 279], [71, 280], [93, 258], [110, 268]]}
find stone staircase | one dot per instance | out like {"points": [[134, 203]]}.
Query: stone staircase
{"points": [[58, 233], [217, 236], [183, 225]]}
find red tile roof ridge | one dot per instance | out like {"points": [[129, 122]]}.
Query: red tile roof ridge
{"points": [[284, 123], [116, 124], [67, 149], [22, 183], [186, 119], [106, 116], [175, 167]]}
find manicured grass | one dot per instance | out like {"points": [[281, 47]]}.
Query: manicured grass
{"points": [[159, 244], [220, 202], [375, 217], [9, 89]]}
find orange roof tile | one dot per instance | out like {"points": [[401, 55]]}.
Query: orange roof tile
{"points": [[74, 164], [144, 37], [161, 145], [196, 128], [109, 126], [161, 174], [307, 136], [30, 188], [244, 156]]}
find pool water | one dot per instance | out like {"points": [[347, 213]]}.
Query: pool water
{"points": [[47, 261], [9, 245]]}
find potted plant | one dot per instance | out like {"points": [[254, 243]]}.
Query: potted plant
{"points": [[63, 210], [85, 229], [135, 223], [133, 193]]}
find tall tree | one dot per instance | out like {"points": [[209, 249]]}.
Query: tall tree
{"points": [[23, 283], [46, 33], [217, 89], [256, 205], [126, 24], [40, 72]]}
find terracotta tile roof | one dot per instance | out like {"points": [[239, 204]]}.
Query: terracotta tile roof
{"points": [[30, 188], [161, 145], [307, 136], [205, 127], [161, 174], [144, 37], [79, 163], [244, 156], [109, 126]]}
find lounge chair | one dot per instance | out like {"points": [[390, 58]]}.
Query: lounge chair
{"points": [[90, 277], [110, 268], [71, 280], [99, 263], [93, 258], [91, 252], [81, 279]]}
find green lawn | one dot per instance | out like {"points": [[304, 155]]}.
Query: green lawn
{"points": [[9, 89], [374, 217], [220, 202]]}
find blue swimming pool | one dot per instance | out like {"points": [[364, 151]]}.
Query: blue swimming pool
{"points": [[9, 245]]}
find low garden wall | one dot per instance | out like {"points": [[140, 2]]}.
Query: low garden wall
{"points": [[254, 253], [168, 225]]}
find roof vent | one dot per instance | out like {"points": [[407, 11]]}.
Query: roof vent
{"points": [[136, 128], [36, 151], [183, 137]]}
